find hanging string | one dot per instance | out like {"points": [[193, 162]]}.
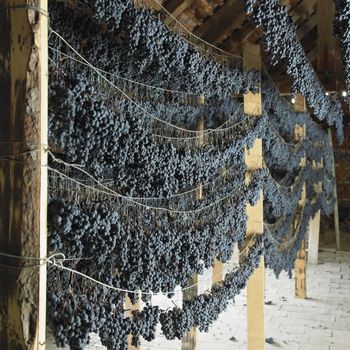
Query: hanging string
{"points": [[58, 260], [285, 245], [151, 87], [175, 128], [211, 183], [121, 91], [148, 207]]}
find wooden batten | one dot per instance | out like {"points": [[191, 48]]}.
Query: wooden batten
{"points": [[314, 234], [335, 195], [300, 263], [129, 307], [190, 339], [255, 223], [23, 180]]}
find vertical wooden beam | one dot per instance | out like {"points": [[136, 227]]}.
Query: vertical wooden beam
{"points": [[218, 267], [255, 224], [314, 235], [217, 271], [300, 263], [190, 339], [314, 222], [300, 273], [335, 195], [41, 40], [23, 180], [129, 306]]}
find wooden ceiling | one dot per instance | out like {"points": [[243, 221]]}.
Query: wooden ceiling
{"points": [[224, 24]]}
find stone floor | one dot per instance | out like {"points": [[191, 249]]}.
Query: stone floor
{"points": [[321, 322]]}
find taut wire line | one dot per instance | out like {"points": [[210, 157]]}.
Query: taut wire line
{"points": [[122, 92], [198, 133], [148, 207], [58, 259], [123, 78]]}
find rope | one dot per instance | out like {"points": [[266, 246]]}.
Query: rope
{"points": [[285, 244], [123, 78], [58, 259], [199, 134], [194, 190], [148, 207], [121, 91]]}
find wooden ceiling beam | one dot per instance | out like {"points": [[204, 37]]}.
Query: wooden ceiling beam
{"points": [[325, 39], [303, 10], [176, 8], [307, 26], [217, 27]]}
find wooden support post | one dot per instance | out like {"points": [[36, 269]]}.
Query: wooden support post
{"points": [[217, 271], [314, 223], [300, 263], [130, 307], [218, 267], [314, 235], [255, 224], [190, 339], [335, 195], [23, 177]]}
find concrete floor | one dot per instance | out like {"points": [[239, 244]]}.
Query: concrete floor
{"points": [[321, 322]]}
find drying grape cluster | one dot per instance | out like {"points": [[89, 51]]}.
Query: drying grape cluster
{"points": [[204, 309], [283, 188], [281, 41], [136, 44], [135, 246], [341, 30]]}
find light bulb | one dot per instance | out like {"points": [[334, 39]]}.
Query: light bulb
{"points": [[293, 100], [327, 93], [344, 93]]}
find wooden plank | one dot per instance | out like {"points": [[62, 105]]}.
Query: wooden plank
{"points": [[129, 306], [255, 224], [314, 236], [23, 183], [300, 263], [41, 40], [190, 339], [217, 271], [335, 195], [218, 267], [177, 7], [300, 273], [217, 27]]}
